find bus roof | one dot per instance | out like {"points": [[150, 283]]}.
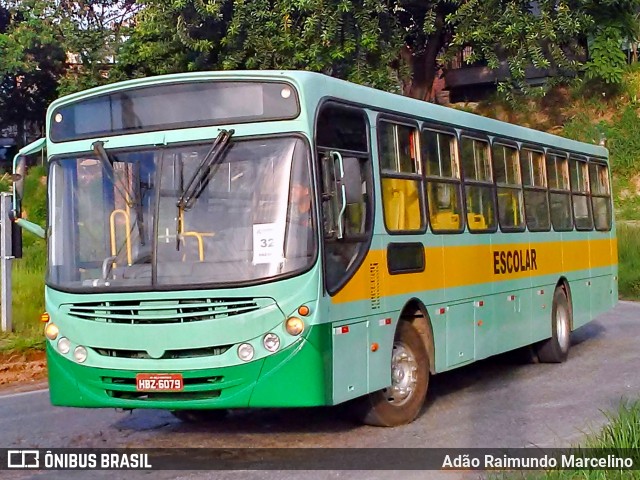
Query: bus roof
{"points": [[314, 87]]}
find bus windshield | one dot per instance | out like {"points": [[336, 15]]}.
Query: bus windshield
{"points": [[117, 221]]}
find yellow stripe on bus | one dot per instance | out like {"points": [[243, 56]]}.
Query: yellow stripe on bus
{"points": [[459, 266]]}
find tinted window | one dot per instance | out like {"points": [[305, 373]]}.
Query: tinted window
{"points": [[177, 105], [405, 257], [342, 128]]}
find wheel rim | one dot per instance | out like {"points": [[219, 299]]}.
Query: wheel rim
{"points": [[562, 327], [404, 374]]}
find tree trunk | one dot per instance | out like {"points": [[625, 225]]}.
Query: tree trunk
{"points": [[21, 137], [424, 65]]}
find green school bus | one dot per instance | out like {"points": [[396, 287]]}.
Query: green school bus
{"points": [[222, 240]]}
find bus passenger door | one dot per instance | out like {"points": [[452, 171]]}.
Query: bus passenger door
{"points": [[346, 205]]}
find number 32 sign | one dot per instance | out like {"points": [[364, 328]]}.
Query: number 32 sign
{"points": [[268, 242]]}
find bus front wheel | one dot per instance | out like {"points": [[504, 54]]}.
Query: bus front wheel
{"points": [[556, 348], [401, 402]]}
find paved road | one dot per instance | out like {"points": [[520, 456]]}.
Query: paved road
{"points": [[494, 403]]}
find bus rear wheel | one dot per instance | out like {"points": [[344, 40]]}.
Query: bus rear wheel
{"points": [[556, 348], [401, 402]]}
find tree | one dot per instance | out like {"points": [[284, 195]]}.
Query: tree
{"points": [[37, 38], [428, 35], [32, 60], [378, 43], [543, 34], [614, 22], [355, 40], [547, 34], [92, 32]]}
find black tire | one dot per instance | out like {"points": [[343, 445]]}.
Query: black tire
{"points": [[398, 405], [199, 416], [556, 348]]}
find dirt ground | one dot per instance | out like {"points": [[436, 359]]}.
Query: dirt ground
{"points": [[22, 370]]}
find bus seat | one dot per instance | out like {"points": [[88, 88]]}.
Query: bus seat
{"points": [[509, 208], [445, 221], [476, 221], [393, 198], [412, 205], [401, 204]]}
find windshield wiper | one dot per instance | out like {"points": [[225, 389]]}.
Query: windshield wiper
{"points": [[200, 178], [136, 201], [107, 166], [198, 181]]}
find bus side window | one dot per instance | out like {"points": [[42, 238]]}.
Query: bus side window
{"points": [[559, 192], [506, 169], [476, 169], [439, 153], [401, 179], [600, 195], [580, 193], [536, 201]]}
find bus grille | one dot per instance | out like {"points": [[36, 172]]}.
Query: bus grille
{"points": [[164, 396], [169, 354], [162, 311]]}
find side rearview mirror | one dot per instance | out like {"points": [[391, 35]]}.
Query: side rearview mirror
{"points": [[16, 240], [19, 174]]}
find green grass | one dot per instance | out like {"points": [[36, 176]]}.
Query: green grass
{"points": [[28, 272], [620, 437], [629, 260]]}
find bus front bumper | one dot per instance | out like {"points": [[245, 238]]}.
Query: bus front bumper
{"points": [[293, 377]]}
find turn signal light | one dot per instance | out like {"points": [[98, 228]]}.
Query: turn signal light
{"points": [[51, 331], [303, 310], [294, 326], [45, 317]]}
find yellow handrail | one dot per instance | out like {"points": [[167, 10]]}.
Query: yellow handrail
{"points": [[112, 224], [199, 236], [200, 242]]}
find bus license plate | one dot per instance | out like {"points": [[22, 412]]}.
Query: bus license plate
{"points": [[159, 382]]}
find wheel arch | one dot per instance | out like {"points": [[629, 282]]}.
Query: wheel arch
{"points": [[416, 313]]}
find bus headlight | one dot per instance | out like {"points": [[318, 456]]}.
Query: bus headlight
{"points": [[294, 326], [64, 345], [51, 331], [80, 354], [245, 352], [271, 342]]}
